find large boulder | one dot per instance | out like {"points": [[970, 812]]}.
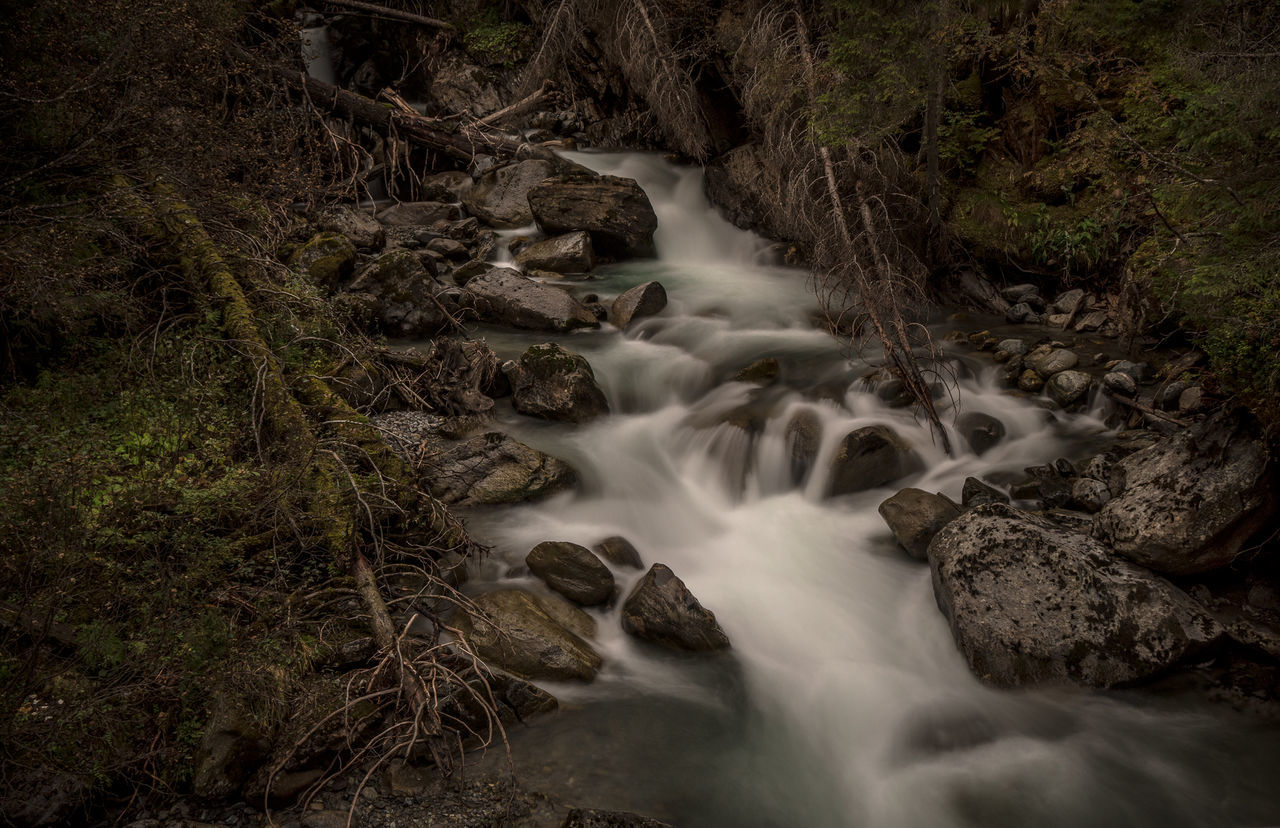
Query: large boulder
{"points": [[505, 297], [403, 294], [573, 571], [501, 197], [1031, 603], [326, 259], [869, 457], [419, 213], [570, 253], [494, 468], [915, 516], [533, 636], [360, 227], [554, 383], [615, 211], [1190, 502], [661, 609], [641, 300]]}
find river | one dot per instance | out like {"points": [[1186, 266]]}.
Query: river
{"points": [[843, 701]]}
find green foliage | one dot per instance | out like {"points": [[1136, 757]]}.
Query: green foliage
{"points": [[497, 42]]}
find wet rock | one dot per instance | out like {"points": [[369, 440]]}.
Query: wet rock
{"points": [[416, 213], [1191, 501], [1031, 604], [981, 431], [804, 438], [1067, 387], [570, 253], [1022, 312], [1167, 396], [494, 468], [361, 228], [1092, 321], [1117, 382], [1069, 302], [591, 818], [554, 383], [619, 551], [1058, 320], [976, 493], [501, 197], [1058, 359], [615, 211], [571, 570], [641, 300], [1012, 346], [870, 457], [761, 372], [1140, 371], [327, 259], [525, 634], [402, 291], [915, 516], [505, 297], [894, 393], [1030, 381], [1088, 494], [662, 610]]}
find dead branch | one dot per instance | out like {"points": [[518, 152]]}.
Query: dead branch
{"points": [[522, 105], [393, 14]]}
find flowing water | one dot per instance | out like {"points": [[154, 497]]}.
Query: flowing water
{"points": [[843, 701]]}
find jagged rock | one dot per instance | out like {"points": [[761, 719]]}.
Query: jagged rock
{"points": [[356, 225], [501, 197], [1030, 603], [327, 259], [506, 297], [458, 85], [571, 570], [402, 292], [661, 609], [527, 634], [804, 438], [1067, 387], [976, 493], [1118, 382], [1191, 501], [915, 516], [414, 213], [615, 211], [1092, 321], [641, 300], [619, 551], [981, 431], [570, 253], [869, 457], [494, 468], [761, 372], [1089, 494], [554, 383]]}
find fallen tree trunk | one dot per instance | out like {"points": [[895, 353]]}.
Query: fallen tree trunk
{"points": [[393, 14]]}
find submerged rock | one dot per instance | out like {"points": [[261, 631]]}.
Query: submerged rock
{"points": [[506, 297], [641, 300], [804, 438], [761, 372], [870, 457], [915, 516], [615, 211], [571, 570], [1030, 603], [554, 383], [1190, 501], [981, 431], [533, 636], [662, 610], [494, 468]]}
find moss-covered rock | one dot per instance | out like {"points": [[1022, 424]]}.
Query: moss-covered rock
{"points": [[326, 259]]}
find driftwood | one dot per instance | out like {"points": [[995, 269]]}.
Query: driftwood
{"points": [[392, 14], [522, 105]]}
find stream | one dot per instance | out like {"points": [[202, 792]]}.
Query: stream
{"points": [[843, 701]]}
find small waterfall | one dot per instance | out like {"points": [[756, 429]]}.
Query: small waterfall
{"points": [[844, 702], [317, 55]]}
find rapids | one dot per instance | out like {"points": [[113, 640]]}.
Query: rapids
{"points": [[843, 701]]}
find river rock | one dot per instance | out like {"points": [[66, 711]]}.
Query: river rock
{"points": [[326, 259], [1191, 501], [525, 634], [506, 297], [570, 253], [493, 468], [416, 213], [1140, 371], [641, 300], [1067, 387], [402, 291], [1030, 603], [869, 457], [1030, 381], [1089, 494], [761, 372], [915, 516], [615, 211], [1167, 396], [571, 570], [1118, 382], [661, 609], [1069, 301], [362, 229], [501, 197], [976, 493], [1012, 347], [981, 431], [803, 437], [1058, 359], [619, 551], [554, 383]]}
